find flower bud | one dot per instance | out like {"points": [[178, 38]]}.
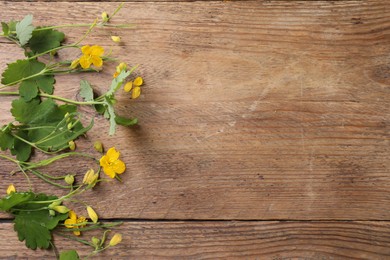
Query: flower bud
{"points": [[72, 145], [61, 209], [52, 212], [105, 17], [90, 178], [116, 239], [74, 64], [69, 179], [92, 214], [121, 66], [116, 39], [11, 189], [70, 126], [98, 146], [54, 204], [96, 242]]}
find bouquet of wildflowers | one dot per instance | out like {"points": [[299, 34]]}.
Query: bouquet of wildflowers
{"points": [[51, 124]]}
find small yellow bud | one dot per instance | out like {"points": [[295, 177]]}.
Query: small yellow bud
{"points": [[138, 81], [11, 189], [92, 214], [128, 86], [61, 209], [116, 38], [74, 64], [116, 239], [70, 126], [121, 66], [72, 145], [90, 178], [105, 17], [136, 92], [69, 179], [98, 146], [52, 212]]}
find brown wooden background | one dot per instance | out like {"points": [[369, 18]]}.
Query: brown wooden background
{"points": [[263, 128]]}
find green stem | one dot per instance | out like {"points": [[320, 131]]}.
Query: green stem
{"points": [[42, 177], [76, 239], [70, 100], [62, 26]]}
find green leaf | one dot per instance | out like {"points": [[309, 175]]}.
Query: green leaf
{"points": [[21, 149], [14, 199], [28, 92], [86, 90], [125, 121], [28, 89], [69, 255], [22, 69], [118, 81], [5, 28], [35, 113], [34, 227], [24, 29], [6, 139], [45, 40]]}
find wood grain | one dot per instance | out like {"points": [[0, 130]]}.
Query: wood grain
{"points": [[229, 240], [263, 110]]}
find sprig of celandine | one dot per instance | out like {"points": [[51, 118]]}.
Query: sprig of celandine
{"points": [[51, 128]]}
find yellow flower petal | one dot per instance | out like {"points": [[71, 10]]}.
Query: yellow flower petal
{"points": [[138, 81], [85, 62], [128, 86], [97, 61], [109, 172], [118, 166], [136, 92], [77, 233], [11, 189], [112, 154], [86, 49], [97, 50], [72, 215], [116, 38], [69, 223]]}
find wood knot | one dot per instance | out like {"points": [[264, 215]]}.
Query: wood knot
{"points": [[381, 74]]}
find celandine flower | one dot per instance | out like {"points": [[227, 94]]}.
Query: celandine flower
{"points": [[73, 222], [111, 163], [91, 55]]}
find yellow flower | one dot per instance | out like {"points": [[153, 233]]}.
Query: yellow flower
{"points": [[69, 179], [116, 239], [111, 163], [116, 39], [90, 178], [91, 55], [11, 189], [74, 222], [92, 214]]}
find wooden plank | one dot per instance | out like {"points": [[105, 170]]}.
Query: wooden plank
{"points": [[229, 240], [268, 110]]}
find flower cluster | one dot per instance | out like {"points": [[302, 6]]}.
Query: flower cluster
{"points": [[57, 133]]}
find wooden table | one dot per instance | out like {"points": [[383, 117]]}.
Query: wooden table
{"points": [[263, 129]]}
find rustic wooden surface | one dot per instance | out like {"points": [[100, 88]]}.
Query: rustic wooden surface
{"points": [[255, 111]]}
